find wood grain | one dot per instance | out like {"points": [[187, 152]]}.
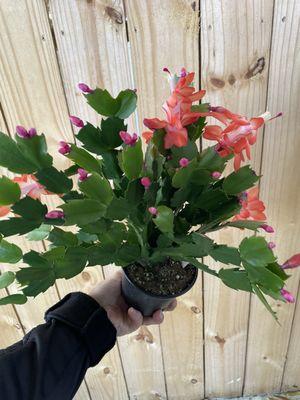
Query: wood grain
{"points": [[268, 341], [235, 35], [166, 34]]}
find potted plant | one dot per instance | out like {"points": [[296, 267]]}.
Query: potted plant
{"points": [[149, 212]]}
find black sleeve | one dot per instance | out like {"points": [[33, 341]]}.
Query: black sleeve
{"points": [[51, 360]]}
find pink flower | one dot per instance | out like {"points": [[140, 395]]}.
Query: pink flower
{"points": [[146, 182], [84, 88], [216, 174], [267, 228], [55, 214], [287, 296], [128, 139], [65, 148], [271, 245], [292, 262], [184, 162], [152, 210], [76, 121], [23, 133], [83, 174]]}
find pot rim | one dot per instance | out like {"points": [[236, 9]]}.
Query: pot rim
{"points": [[162, 297]]}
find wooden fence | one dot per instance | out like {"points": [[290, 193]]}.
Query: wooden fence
{"points": [[247, 52]]}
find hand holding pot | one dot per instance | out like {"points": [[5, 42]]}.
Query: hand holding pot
{"points": [[124, 318]]}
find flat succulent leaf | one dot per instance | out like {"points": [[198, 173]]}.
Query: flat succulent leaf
{"points": [[73, 262], [236, 279], [252, 225], [225, 254], [262, 298], [118, 209], [110, 129], [81, 212], [90, 137], [98, 188], [264, 277], [12, 158], [40, 233], [195, 130], [164, 219], [240, 180], [17, 226], [182, 175], [59, 237], [84, 159], [35, 150], [9, 252], [211, 199], [132, 160], [190, 151], [6, 279], [13, 299], [10, 191], [122, 106], [55, 181], [30, 209], [254, 251], [209, 159]]}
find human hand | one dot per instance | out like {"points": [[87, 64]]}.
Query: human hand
{"points": [[124, 318]]}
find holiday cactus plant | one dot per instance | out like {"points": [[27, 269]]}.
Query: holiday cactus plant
{"points": [[129, 207]]}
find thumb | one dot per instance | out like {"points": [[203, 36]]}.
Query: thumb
{"points": [[135, 318]]}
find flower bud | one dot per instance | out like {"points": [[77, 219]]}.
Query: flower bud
{"points": [[146, 182], [55, 214], [184, 162], [76, 121], [83, 174], [287, 296], [292, 262], [271, 245], [216, 174], [128, 139], [267, 228], [152, 210], [24, 134], [65, 148], [84, 88]]}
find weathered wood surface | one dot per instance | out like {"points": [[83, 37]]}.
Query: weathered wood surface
{"points": [[247, 53]]}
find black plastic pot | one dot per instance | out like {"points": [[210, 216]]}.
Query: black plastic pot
{"points": [[145, 302]]}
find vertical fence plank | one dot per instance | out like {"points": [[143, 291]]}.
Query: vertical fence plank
{"points": [[92, 48], [31, 94], [268, 342], [235, 42], [166, 34]]}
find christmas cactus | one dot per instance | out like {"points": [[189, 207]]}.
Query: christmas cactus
{"points": [[128, 207]]}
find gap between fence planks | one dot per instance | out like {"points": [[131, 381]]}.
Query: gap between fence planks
{"points": [[235, 35]]}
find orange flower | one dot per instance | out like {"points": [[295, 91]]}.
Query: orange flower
{"points": [[178, 111], [252, 207], [238, 135]]}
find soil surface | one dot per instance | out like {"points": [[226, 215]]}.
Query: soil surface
{"points": [[164, 279]]}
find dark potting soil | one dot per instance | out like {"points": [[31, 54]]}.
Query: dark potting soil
{"points": [[169, 278]]}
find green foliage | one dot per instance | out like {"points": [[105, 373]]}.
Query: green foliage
{"points": [[13, 299], [84, 159], [122, 106], [30, 209], [39, 233], [9, 253], [254, 251], [6, 279], [240, 180], [225, 254], [12, 157], [9, 191], [110, 209], [82, 211], [55, 181], [132, 160], [164, 219], [98, 188], [35, 151]]}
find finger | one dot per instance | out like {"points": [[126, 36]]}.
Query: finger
{"points": [[135, 318], [118, 275], [156, 318], [171, 306]]}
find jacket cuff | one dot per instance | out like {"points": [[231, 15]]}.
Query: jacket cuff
{"points": [[82, 313]]}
